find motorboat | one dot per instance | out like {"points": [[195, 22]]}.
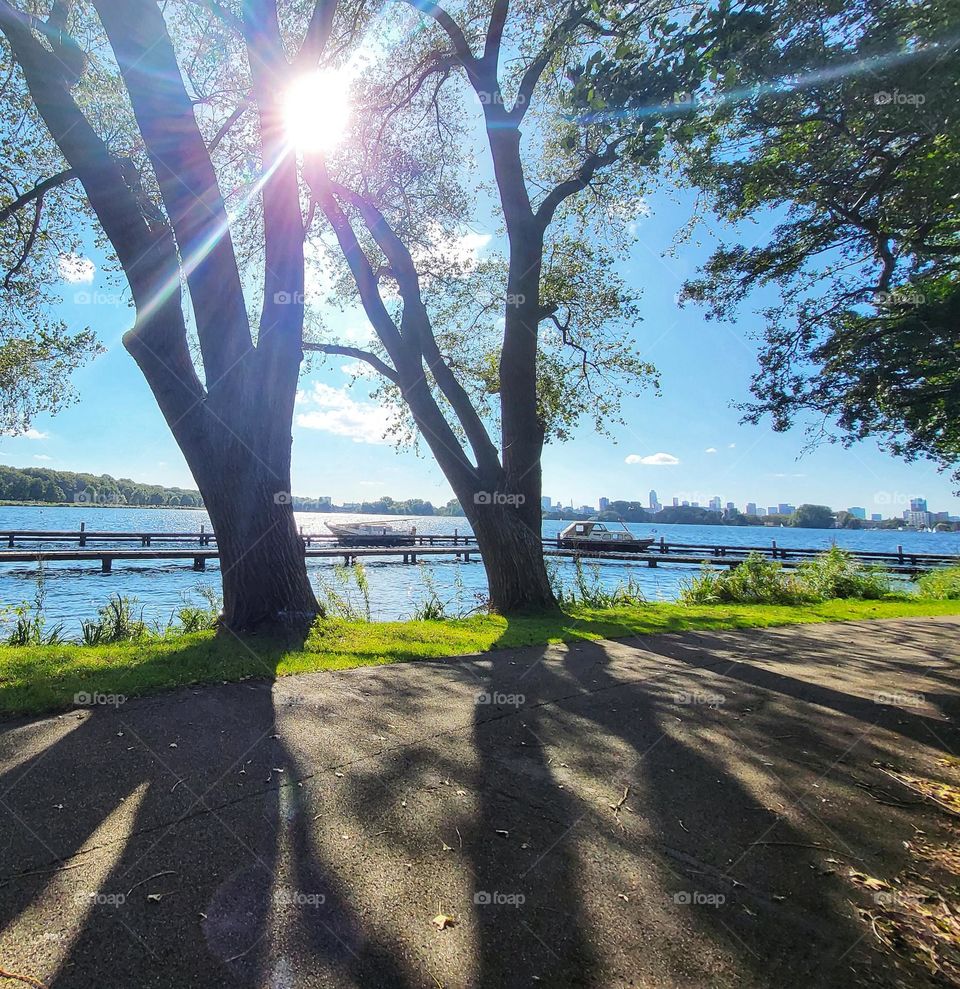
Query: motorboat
{"points": [[373, 533], [598, 537]]}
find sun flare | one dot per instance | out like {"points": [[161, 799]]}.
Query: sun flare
{"points": [[317, 110]]}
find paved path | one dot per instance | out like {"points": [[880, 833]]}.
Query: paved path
{"points": [[634, 813]]}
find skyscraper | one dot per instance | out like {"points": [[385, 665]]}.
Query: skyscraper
{"points": [[654, 503], [751, 508], [918, 504], [604, 504], [715, 505]]}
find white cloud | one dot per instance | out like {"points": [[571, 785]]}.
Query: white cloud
{"points": [[76, 269], [41, 456], [336, 412], [653, 460], [34, 434], [731, 446], [710, 449]]}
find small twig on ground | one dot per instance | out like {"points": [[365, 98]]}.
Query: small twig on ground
{"points": [[28, 979], [616, 807], [156, 875], [800, 844]]}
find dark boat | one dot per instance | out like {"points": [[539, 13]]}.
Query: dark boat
{"points": [[596, 537]]}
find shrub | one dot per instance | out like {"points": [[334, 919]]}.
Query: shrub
{"points": [[940, 585], [837, 574], [192, 617], [756, 580]]}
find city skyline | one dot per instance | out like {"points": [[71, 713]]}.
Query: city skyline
{"points": [[914, 509]]}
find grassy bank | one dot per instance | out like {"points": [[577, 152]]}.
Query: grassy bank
{"points": [[43, 678]]}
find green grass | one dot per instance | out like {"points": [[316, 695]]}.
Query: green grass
{"points": [[44, 678]]}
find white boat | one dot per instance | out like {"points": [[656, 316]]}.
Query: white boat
{"points": [[373, 533], [596, 536]]}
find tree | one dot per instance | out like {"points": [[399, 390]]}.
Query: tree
{"points": [[140, 133], [851, 135], [560, 354], [847, 521], [812, 517]]}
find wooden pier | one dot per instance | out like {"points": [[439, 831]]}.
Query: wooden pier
{"points": [[200, 547]]}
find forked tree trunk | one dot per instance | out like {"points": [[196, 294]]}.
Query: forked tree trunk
{"points": [[244, 478]]}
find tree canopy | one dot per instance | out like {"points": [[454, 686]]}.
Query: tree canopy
{"points": [[838, 122]]}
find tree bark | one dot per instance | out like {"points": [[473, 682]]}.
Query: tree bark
{"points": [[262, 562], [512, 555]]}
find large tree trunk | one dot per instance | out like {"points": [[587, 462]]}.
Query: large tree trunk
{"points": [[262, 562], [512, 553]]}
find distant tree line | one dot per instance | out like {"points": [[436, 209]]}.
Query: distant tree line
{"points": [[53, 487], [382, 506]]}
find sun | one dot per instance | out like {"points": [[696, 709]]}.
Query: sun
{"points": [[316, 111]]}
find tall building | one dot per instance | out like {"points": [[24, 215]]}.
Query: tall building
{"points": [[858, 513], [715, 505], [654, 502], [918, 504], [676, 502], [761, 511], [876, 517], [785, 509], [604, 504], [772, 510], [751, 508], [920, 520], [731, 507], [546, 503]]}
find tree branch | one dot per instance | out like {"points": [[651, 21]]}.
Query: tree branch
{"points": [[318, 34], [146, 252], [37, 192], [415, 314], [361, 355], [452, 30], [560, 193], [185, 175]]}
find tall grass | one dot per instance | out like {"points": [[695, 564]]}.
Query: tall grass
{"points": [[587, 588], [30, 620]]}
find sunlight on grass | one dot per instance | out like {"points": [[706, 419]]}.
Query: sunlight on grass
{"points": [[40, 678]]}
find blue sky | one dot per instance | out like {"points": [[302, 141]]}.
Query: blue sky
{"points": [[116, 428]]}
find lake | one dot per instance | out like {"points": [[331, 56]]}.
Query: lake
{"points": [[75, 591]]}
